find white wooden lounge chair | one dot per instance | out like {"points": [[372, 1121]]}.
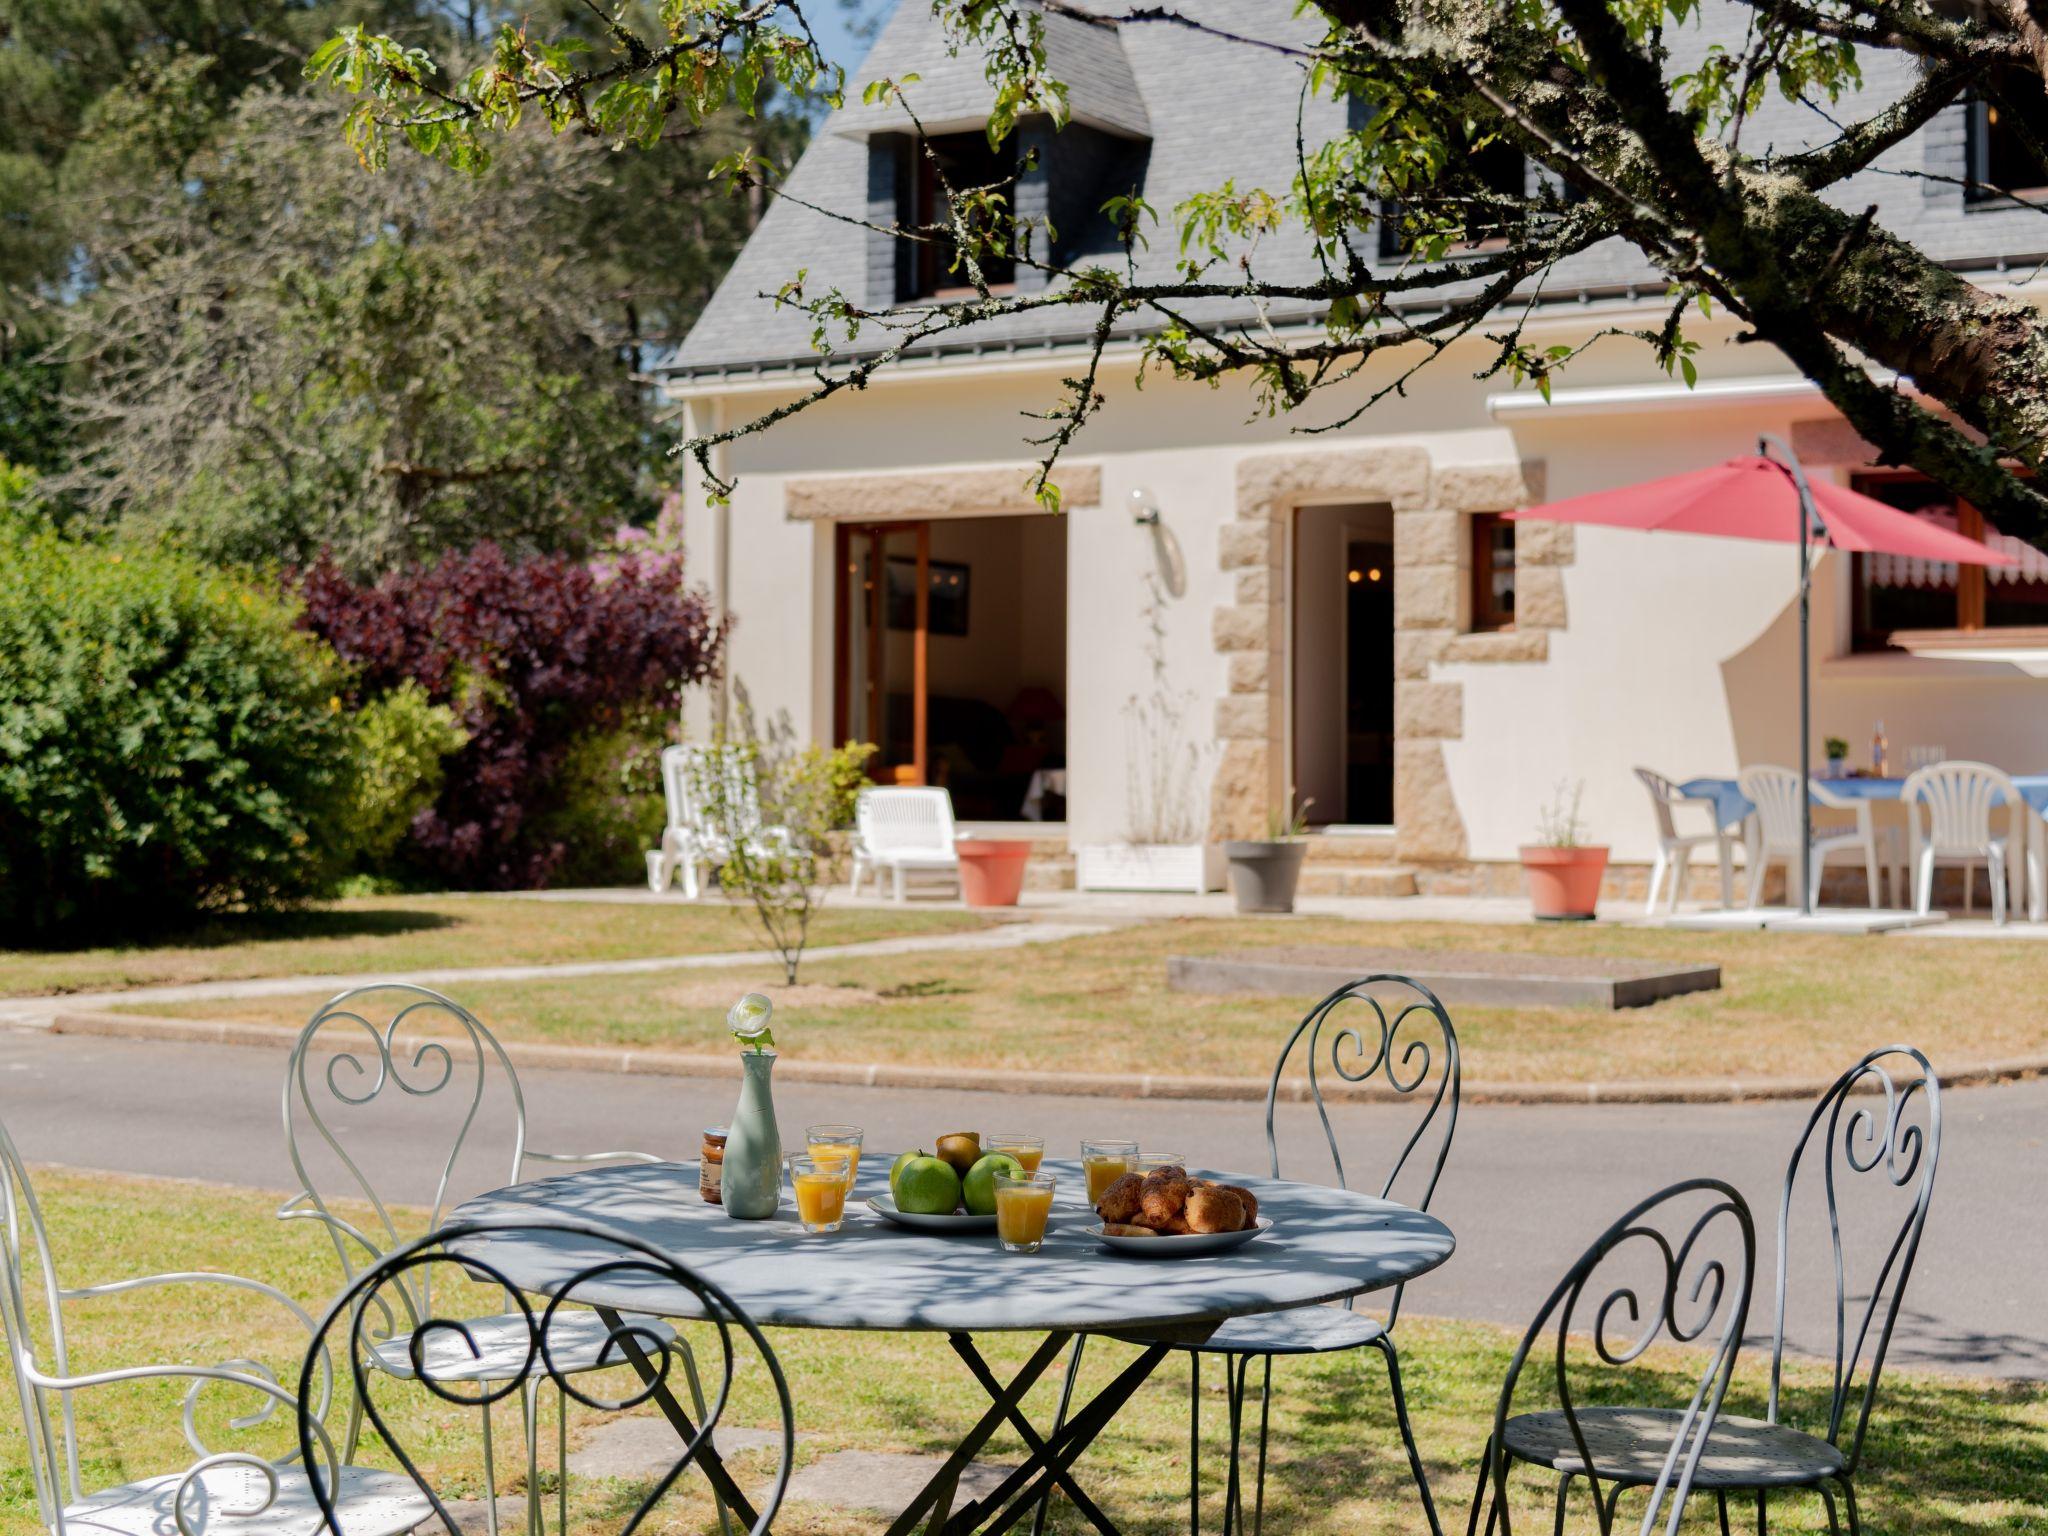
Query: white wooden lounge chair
{"points": [[909, 833], [693, 838]]}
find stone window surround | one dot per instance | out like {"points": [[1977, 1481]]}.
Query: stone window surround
{"points": [[1432, 602]]}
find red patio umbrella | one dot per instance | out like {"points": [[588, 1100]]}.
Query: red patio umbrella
{"points": [[1770, 498]]}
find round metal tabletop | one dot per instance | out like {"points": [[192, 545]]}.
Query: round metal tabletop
{"points": [[1325, 1244]]}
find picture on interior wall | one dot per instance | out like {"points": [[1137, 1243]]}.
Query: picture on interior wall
{"points": [[947, 614]]}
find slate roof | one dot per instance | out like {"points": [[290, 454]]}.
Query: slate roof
{"points": [[1218, 111], [953, 93]]}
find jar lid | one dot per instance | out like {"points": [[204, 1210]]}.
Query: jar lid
{"points": [[715, 1134]]}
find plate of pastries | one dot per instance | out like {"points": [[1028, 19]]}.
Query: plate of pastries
{"points": [[1167, 1213]]}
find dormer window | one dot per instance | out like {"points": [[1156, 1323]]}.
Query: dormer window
{"points": [[966, 163], [2001, 162]]}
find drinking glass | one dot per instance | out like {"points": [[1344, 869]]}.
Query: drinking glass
{"points": [[1147, 1161], [1023, 1207], [828, 1143], [820, 1191], [1105, 1162], [1028, 1150]]}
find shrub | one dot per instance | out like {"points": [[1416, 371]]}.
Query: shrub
{"points": [[533, 656], [402, 737], [608, 809], [171, 744]]}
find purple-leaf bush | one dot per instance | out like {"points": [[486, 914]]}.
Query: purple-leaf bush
{"points": [[534, 656]]}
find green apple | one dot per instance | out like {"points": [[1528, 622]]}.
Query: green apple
{"points": [[924, 1186], [897, 1167], [978, 1189]]}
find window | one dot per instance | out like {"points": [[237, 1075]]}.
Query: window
{"points": [[969, 164], [1895, 596], [1493, 572], [1498, 170], [2000, 161]]}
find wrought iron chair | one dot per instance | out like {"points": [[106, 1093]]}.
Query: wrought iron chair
{"points": [[1400, 1034], [1880, 1133], [1676, 1288], [605, 1264], [462, 1064], [222, 1493]]}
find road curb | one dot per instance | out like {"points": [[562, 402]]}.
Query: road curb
{"points": [[625, 1060]]}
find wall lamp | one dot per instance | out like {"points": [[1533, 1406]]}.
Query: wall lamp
{"points": [[1144, 508]]}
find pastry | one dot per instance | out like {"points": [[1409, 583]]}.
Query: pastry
{"points": [[1119, 1202], [1212, 1208], [1163, 1196]]}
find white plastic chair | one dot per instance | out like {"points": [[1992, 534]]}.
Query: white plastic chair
{"points": [[1775, 828], [1674, 849], [1961, 802], [909, 833], [695, 836], [221, 1491]]}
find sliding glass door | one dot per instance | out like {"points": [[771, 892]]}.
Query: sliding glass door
{"points": [[881, 674]]}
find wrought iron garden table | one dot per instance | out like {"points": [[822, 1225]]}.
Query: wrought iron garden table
{"points": [[1326, 1244]]}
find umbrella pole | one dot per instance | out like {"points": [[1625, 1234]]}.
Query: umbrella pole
{"points": [[1808, 517]]}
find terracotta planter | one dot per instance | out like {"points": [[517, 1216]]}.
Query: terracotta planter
{"points": [[1564, 883], [992, 870]]}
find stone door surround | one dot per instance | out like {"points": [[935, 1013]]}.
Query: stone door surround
{"points": [[979, 490], [1432, 602]]}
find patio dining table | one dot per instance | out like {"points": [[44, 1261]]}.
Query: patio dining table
{"points": [[1732, 808], [1325, 1244]]}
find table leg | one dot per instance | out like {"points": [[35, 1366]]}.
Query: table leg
{"points": [[964, 1347], [964, 1453], [707, 1454], [1035, 1476]]}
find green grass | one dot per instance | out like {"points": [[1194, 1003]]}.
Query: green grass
{"points": [[1790, 1004], [399, 933], [1945, 1455]]}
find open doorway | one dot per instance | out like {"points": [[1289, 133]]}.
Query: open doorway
{"points": [[1343, 664], [951, 657]]}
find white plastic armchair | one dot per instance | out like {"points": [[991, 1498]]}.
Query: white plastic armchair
{"points": [[908, 833], [697, 835], [1774, 832], [1953, 816], [221, 1493], [1674, 848]]}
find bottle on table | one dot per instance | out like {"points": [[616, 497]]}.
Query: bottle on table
{"points": [[1880, 765]]}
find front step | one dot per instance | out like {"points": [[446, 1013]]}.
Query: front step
{"points": [[1356, 878], [1351, 847]]}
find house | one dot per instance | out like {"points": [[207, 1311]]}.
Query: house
{"points": [[1227, 608]]}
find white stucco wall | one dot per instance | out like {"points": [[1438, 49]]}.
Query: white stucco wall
{"points": [[1679, 651]]}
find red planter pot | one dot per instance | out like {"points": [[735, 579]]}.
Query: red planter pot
{"points": [[991, 870], [1564, 883]]}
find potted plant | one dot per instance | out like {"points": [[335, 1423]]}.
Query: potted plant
{"points": [[1264, 871], [1838, 757], [1564, 870]]}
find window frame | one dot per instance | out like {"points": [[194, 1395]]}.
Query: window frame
{"points": [[1978, 188], [1972, 591], [929, 277], [1488, 617]]}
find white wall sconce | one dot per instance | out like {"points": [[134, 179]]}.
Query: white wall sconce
{"points": [[1144, 508]]}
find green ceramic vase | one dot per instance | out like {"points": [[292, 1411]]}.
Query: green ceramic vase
{"points": [[752, 1180]]}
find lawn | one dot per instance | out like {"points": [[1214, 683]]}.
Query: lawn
{"points": [[393, 933], [1945, 1455], [1790, 1004]]}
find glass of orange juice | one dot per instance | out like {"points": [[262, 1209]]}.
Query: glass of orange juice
{"points": [[1028, 1150], [825, 1143], [1106, 1162], [1023, 1206], [820, 1191], [1147, 1161]]}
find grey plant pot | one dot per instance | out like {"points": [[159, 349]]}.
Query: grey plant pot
{"points": [[1263, 874]]}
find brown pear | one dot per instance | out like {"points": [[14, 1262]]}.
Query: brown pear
{"points": [[960, 1148]]}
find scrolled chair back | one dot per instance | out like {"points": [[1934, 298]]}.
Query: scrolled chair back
{"points": [[389, 1044], [1382, 1037], [1678, 1267], [1876, 1135], [589, 1264], [239, 1395]]}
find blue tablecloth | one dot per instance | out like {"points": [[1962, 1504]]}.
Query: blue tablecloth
{"points": [[1731, 805]]}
